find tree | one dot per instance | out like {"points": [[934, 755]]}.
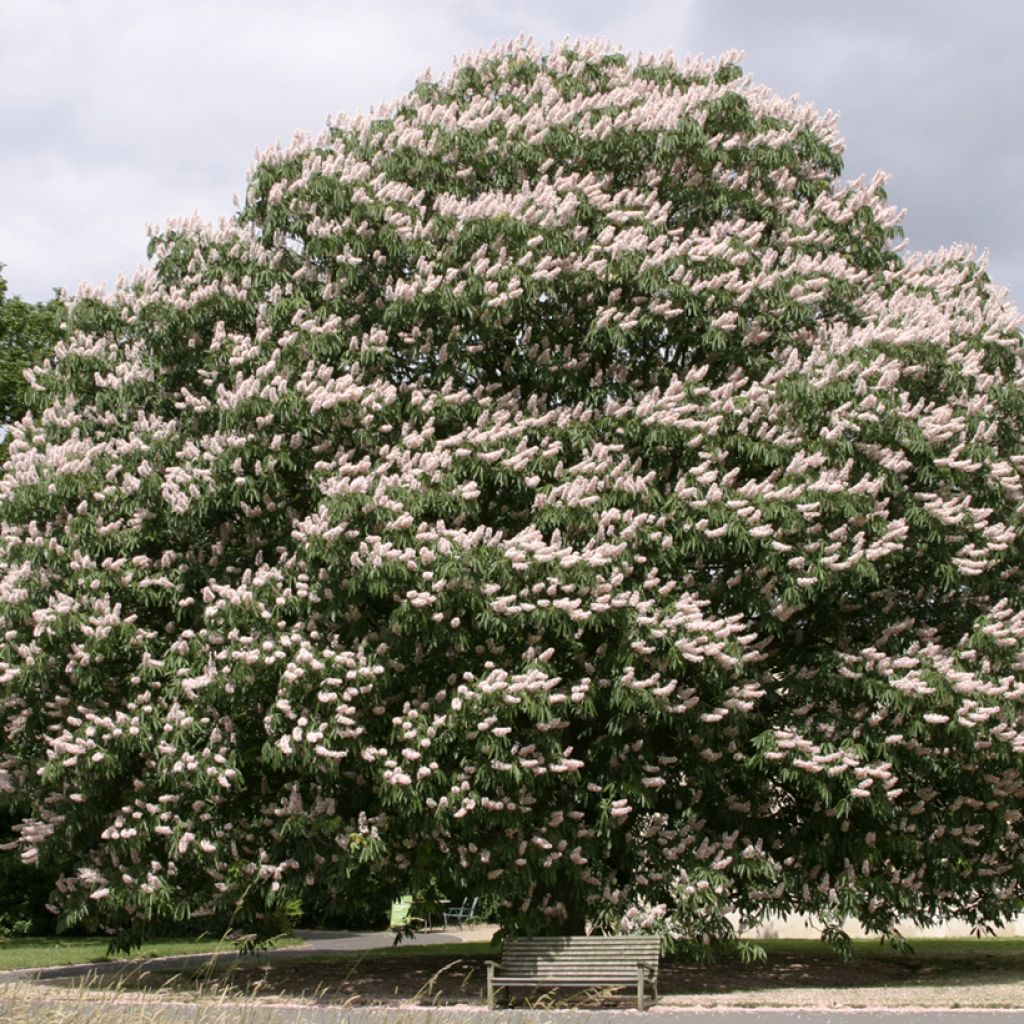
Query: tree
{"points": [[558, 486], [27, 332]]}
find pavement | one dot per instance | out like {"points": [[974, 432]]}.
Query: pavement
{"points": [[233, 1013], [313, 942]]}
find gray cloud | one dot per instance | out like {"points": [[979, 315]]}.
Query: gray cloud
{"points": [[116, 114], [932, 92]]}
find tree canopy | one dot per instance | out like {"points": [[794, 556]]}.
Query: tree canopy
{"points": [[556, 486]]}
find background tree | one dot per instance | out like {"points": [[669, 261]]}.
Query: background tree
{"points": [[556, 485], [27, 332]]}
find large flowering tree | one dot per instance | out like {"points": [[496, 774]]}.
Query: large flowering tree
{"points": [[556, 485]]}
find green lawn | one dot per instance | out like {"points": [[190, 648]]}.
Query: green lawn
{"points": [[931, 956], [52, 952], [925, 950]]}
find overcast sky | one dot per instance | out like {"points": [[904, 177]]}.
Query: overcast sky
{"points": [[115, 114]]}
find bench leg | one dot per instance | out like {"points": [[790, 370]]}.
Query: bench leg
{"points": [[640, 989], [490, 987]]}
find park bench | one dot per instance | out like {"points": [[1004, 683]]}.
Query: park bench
{"points": [[577, 961]]}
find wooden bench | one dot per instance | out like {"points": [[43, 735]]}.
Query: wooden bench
{"points": [[577, 961]]}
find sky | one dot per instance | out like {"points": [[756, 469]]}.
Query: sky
{"points": [[116, 114]]}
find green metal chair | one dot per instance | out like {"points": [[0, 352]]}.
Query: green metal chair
{"points": [[402, 916], [465, 914]]}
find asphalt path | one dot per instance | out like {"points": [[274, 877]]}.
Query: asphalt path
{"points": [[191, 1013], [313, 942]]}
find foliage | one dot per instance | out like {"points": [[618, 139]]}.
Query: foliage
{"points": [[557, 485], [27, 333], [345, 911], [23, 897], [24, 891]]}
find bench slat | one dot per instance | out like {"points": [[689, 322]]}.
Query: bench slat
{"points": [[560, 953], [568, 969], [562, 983], [616, 968], [561, 941], [620, 951], [622, 963], [597, 954]]}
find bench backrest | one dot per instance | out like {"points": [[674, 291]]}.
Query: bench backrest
{"points": [[580, 957]]}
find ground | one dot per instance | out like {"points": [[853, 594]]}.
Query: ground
{"points": [[804, 974]]}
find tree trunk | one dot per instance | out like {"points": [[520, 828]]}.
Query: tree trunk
{"points": [[575, 920]]}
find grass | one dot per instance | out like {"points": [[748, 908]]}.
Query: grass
{"points": [[26, 953], [930, 953], [32, 1004]]}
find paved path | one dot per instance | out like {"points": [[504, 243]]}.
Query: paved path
{"points": [[315, 942], [190, 1013]]}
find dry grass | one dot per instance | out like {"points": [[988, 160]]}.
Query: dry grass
{"points": [[38, 1004]]}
